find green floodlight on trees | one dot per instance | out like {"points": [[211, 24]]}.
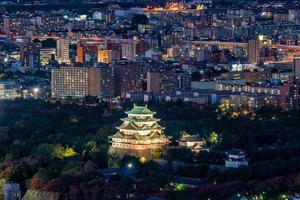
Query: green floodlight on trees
{"points": [[214, 138], [179, 187]]}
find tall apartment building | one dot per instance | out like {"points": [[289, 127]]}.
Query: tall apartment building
{"points": [[107, 82], [162, 82], [129, 77], [78, 82], [62, 50], [289, 97], [253, 51], [25, 50], [128, 50], [296, 68]]}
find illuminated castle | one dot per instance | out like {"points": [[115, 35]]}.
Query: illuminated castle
{"points": [[139, 131]]}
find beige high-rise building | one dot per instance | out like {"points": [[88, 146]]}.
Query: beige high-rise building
{"points": [[62, 50], [104, 56], [78, 82], [70, 82]]}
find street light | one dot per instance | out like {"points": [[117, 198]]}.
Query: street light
{"points": [[129, 165], [36, 91]]}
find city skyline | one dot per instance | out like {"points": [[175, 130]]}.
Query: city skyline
{"points": [[164, 100]]}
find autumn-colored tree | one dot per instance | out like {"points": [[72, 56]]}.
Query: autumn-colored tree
{"points": [[54, 185], [36, 183]]}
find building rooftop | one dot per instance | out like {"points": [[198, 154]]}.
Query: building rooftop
{"points": [[236, 152], [191, 138]]}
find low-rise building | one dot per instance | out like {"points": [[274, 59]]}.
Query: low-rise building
{"points": [[236, 158], [250, 100], [192, 142], [12, 191], [9, 90], [240, 86]]}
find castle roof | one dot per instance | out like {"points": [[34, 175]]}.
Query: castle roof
{"points": [[132, 126], [153, 135], [191, 138], [140, 110], [136, 119]]}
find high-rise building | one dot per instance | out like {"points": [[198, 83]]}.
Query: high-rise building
{"points": [[253, 51], [34, 60], [6, 23], [289, 97], [174, 51], [129, 77], [78, 82], [296, 68], [104, 56], [293, 15], [25, 51], [70, 82], [89, 53], [79, 54], [107, 83], [162, 82], [141, 47], [128, 50], [62, 50], [34, 56]]}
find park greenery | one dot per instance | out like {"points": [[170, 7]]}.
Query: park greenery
{"points": [[58, 148]]}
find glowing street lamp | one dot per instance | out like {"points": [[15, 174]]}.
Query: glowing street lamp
{"points": [[36, 91], [129, 165]]}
